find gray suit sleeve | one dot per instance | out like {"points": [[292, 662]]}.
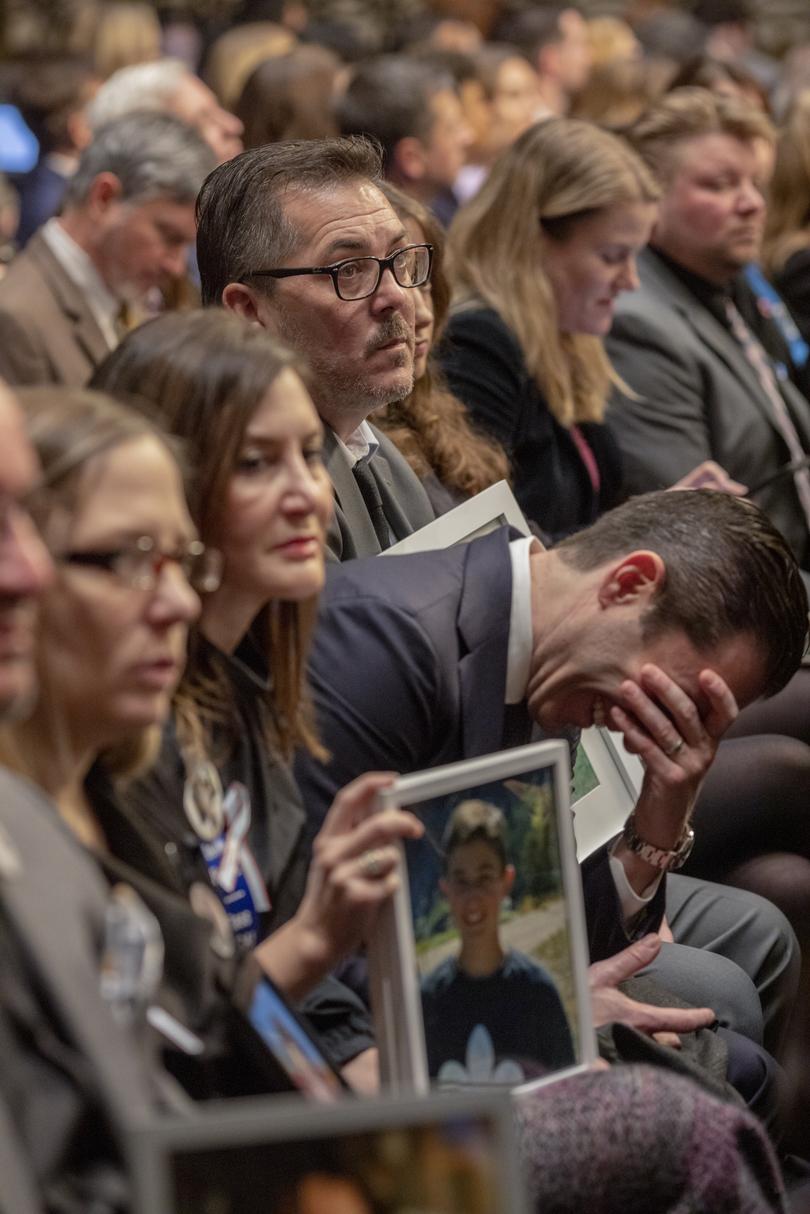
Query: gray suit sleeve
{"points": [[21, 360], [662, 428]]}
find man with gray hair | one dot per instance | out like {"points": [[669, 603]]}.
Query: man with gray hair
{"points": [[126, 226], [168, 86]]}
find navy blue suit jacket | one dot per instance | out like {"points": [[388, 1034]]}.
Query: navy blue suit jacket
{"points": [[409, 671], [41, 192]]}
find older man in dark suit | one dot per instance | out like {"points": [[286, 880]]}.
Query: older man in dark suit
{"points": [[298, 237], [710, 372], [126, 225], [462, 649]]}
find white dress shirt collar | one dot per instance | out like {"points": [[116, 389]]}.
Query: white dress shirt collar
{"points": [[361, 444], [81, 271]]}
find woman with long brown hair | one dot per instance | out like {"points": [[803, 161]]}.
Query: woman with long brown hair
{"points": [[430, 426], [221, 798]]}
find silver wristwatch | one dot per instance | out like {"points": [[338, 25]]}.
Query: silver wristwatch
{"points": [[658, 857]]}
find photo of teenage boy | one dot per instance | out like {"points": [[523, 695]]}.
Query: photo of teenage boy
{"points": [[491, 1014]]}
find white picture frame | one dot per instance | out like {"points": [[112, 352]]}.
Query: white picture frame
{"points": [[601, 812], [227, 1145], [491, 508], [393, 967]]}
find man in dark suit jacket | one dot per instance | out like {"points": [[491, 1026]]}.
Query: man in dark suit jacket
{"points": [[127, 222], [298, 238], [711, 376], [422, 660]]}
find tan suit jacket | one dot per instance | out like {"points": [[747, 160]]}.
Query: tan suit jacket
{"points": [[47, 332]]}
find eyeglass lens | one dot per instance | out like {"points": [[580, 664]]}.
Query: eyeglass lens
{"points": [[200, 566], [361, 277]]}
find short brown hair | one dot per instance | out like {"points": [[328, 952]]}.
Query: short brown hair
{"points": [[689, 113], [475, 820], [728, 571], [241, 221]]}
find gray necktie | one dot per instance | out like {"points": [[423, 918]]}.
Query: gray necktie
{"points": [[761, 363], [370, 492]]}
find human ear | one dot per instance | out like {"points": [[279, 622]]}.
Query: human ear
{"points": [[408, 159], [508, 878], [243, 301], [104, 193], [637, 576]]}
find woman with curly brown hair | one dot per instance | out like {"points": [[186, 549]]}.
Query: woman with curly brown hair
{"points": [[431, 427]]}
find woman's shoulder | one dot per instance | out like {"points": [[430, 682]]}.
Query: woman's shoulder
{"points": [[476, 331], [476, 316]]}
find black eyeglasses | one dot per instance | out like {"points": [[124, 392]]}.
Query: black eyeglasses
{"points": [[359, 277], [139, 564]]}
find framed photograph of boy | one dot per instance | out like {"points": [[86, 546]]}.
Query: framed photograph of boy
{"points": [[447, 1154], [479, 967]]}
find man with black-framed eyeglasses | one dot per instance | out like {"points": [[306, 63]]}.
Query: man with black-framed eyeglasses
{"points": [[298, 238]]}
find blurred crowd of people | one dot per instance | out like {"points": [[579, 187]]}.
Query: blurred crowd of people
{"points": [[282, 282]]}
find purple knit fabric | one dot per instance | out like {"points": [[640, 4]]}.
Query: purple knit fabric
{"points": [[640, 1140]]}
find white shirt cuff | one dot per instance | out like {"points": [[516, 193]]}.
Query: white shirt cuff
{"points": [[631, 902]]}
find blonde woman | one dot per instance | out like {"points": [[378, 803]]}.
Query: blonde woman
{"points": [[539, 257]]}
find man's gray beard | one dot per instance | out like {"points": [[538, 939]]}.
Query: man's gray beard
{"points": [[342, 395]]}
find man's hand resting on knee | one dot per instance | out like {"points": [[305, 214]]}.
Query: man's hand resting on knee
{"points": [[609, 1004]]}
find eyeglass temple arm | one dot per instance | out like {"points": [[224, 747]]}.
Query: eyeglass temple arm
{"points": [[291, 272]]}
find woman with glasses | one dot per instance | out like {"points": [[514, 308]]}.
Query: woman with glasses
{"points": [[113, 626], [220, 798]]}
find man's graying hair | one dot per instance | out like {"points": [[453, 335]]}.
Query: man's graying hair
{"points": [[242, 224], [139, 87], [153, 156], [728, 571]]}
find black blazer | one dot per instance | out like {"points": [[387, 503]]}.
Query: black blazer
{"points": [[485, 369], [409, 671]]}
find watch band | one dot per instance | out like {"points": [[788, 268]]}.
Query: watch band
{"points": [[658, 857]]}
